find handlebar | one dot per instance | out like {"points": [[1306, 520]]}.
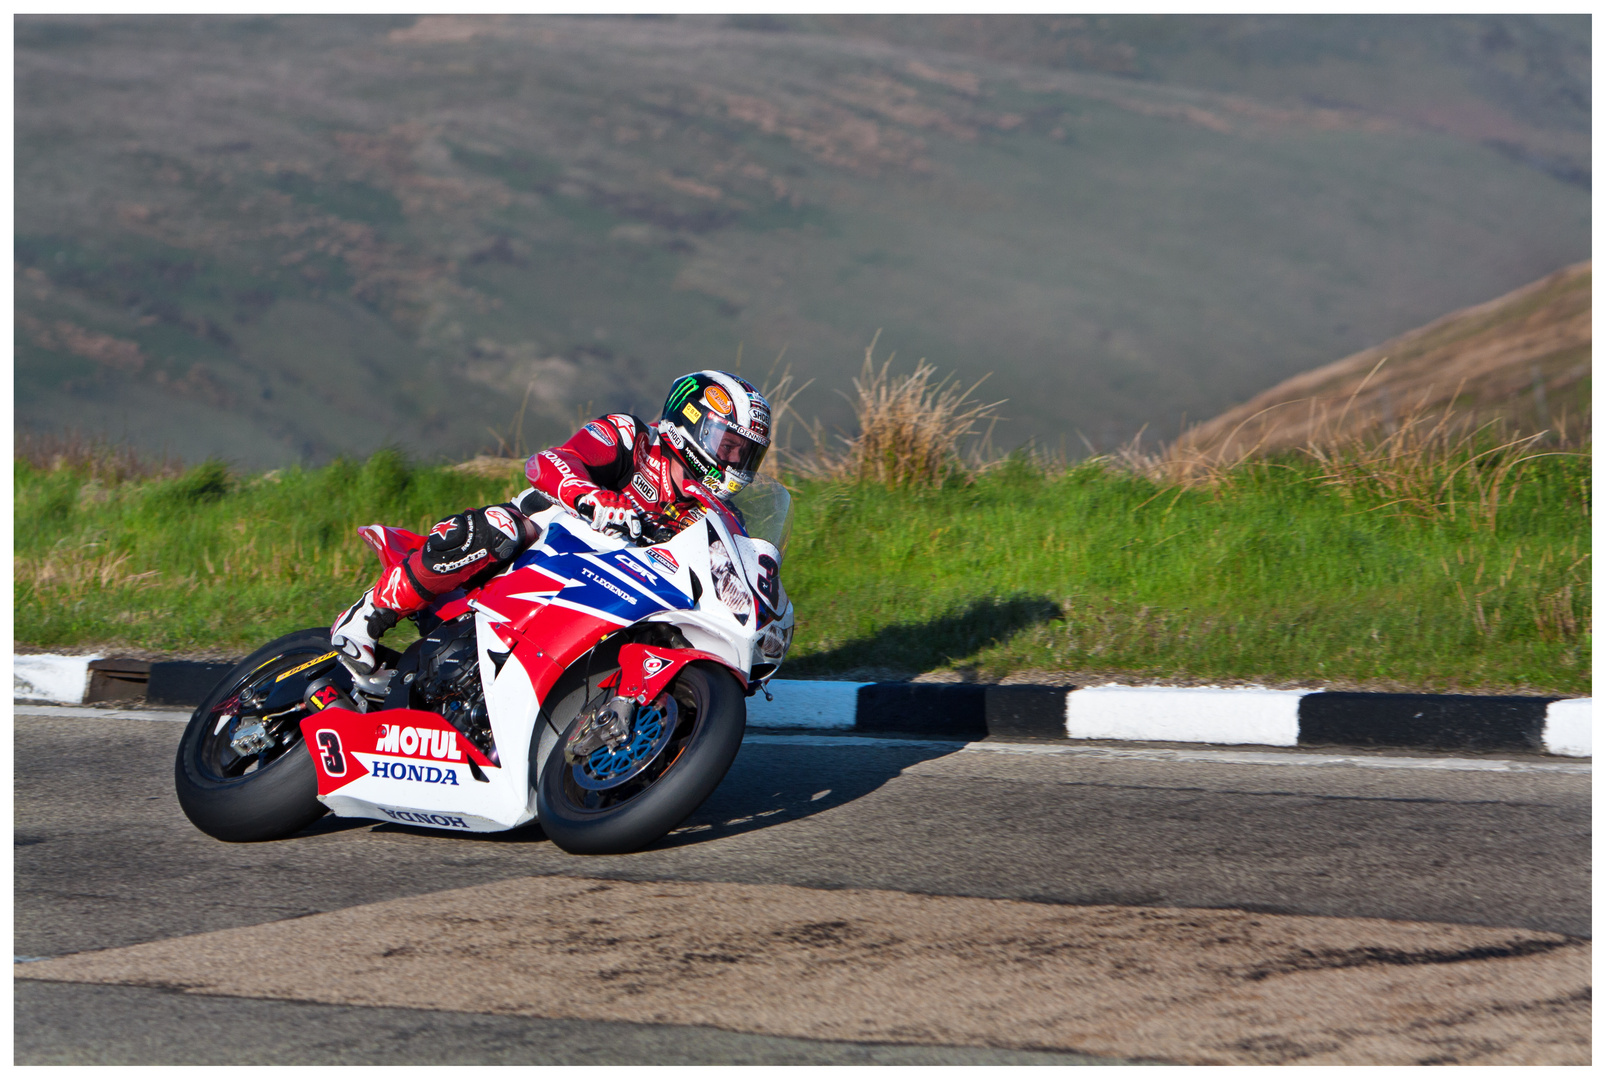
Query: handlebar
{"points": [[655, 529]]}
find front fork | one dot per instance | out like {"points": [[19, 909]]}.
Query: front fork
{"points": [[645, 672]]}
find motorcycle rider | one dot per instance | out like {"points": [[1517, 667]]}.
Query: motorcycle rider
{"points": [[615, 472]]}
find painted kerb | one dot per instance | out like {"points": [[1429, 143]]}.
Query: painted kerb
{"points": [[1232, 716]]}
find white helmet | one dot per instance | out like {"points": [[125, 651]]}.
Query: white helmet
{"points": [[718, 426]]}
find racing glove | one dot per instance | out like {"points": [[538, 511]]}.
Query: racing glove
{"points": [[610, 512]]}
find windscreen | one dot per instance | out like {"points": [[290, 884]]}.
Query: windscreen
{"points": [[766, 508]]}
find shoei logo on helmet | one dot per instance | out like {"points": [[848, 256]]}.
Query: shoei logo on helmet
{"points": [[716, 398], [691, 413]]}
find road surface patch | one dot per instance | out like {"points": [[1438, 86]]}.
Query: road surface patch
{"points": [[1186, 985]]}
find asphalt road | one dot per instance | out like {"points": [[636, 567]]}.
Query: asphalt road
{"points": [[104, 858]]}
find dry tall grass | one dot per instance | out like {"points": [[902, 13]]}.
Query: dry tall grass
{"points": [[780, 391], [912, 429], [510, 444], [102, 460], [1429, 467], [1430, 461], [69, 573]]}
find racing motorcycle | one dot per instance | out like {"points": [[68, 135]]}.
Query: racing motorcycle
{"points": [[596, 685]]}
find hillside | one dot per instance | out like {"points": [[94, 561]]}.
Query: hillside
{"points": [[1523, 358], [289, 238], [1521, 86]]}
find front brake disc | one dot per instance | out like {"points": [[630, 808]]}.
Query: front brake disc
{"points": [[607, 767]]}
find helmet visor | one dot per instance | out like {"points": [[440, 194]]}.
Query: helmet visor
{"points": [[732, 451]]}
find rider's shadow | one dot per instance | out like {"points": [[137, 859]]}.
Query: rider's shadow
{"points": [[776, 780]]}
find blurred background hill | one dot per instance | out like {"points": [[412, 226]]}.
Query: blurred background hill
{"points": [[1521, 362], [283, 239]]}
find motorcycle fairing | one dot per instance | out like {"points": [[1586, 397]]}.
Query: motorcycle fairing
{"points": [[645, 670], [411, 760], [562, 596], [391, 544], [533, 622]]}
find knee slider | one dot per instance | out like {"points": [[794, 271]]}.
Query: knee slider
{"points": [[454, 544], [473, 540], [450, 534], [504, 529]]}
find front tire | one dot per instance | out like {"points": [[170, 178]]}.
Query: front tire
{"points": [[266, 796], [713, 716]]}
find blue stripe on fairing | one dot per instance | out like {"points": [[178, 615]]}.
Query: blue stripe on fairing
{"points": [[559, 539], [664, 590], [563, 558]]}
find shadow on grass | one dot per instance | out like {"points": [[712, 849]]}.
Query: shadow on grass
{"points": [[922, 646]]}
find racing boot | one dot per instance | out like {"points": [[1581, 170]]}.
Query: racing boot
{"points": [[360, 626], [355, 631]]}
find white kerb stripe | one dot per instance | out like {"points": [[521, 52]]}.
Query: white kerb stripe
{"points": [[1203, 714], [50, 678], [806, 704], [1567, 727]]}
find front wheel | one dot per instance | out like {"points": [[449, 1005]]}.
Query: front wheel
{"points": [[243, 772], [619, 801]]}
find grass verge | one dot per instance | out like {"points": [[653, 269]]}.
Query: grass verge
{"points": [[1273, 572], [208, 560], [1274, 575]]}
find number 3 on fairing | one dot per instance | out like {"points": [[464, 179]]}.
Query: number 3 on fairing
{"points": [[334, 761], [769, 580]]}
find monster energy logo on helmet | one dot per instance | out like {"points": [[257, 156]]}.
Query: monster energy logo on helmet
{"points": [[725, 427], [680, 393]]}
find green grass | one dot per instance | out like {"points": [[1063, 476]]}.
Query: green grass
{"points": [[1272, 576], [1269, 576], [208, 560]]}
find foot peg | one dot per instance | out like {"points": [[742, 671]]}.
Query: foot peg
{"points": [[376, 685]]}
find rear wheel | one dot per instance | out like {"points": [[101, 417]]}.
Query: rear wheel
{"points": [[680, 747], [243, 772]]}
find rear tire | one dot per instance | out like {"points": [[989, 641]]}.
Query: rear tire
{"points": [[699, 757], [278, 796]]}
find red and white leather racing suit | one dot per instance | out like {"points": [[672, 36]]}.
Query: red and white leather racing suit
{"points": [[616, 461], [612, 468]]}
